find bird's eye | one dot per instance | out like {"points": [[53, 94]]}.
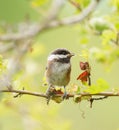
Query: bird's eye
{"points": [[64, 53]]}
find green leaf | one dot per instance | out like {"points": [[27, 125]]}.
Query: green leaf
{"points": [[57, 99], [83, 3], [99, 24], [98, 54], [77, 98], [107, 36], [84, 40], [36, 3], [100, 86]]}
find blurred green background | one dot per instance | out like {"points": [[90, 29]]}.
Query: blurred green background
{"points": [[32, 113]]}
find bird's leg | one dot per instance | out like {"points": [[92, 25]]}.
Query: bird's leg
{"points": [[65, 94], [48, 90], [48, 99], [49, 93]]}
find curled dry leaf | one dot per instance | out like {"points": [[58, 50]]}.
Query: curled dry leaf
{"points": [[56, 98], [59, 91], [84, 65], [83, 76]]}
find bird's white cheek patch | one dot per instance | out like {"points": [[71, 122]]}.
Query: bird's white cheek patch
{"points": [[52, 57]]}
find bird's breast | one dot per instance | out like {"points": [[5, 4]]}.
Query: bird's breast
{"points": [[58, 74]]}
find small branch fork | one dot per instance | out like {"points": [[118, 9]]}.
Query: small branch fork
{"points": [[94, 99], [25, 92]]}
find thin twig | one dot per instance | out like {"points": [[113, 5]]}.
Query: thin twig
{"points": [[116, 41], [95, 99], [24, 92], [77, 5], [89, 80]]}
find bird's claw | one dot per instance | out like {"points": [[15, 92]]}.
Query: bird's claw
{"points": [[49, 96], [65, 96], [48, 99], [49, 93]]}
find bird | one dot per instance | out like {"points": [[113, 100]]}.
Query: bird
{"points": [[58, 70]]}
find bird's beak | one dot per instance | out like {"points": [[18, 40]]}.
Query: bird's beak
{"points": [[71, 54]]}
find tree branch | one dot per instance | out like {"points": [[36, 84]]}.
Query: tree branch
{"points": [[34, 29], [24, 92], [6, 47], [77, 18], [49, 21]]}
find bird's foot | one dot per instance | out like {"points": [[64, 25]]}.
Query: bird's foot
{"points": [[48, 99], [50, 94], [65, 96]]}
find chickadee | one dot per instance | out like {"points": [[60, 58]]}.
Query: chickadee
{"points": [[58, 70]]}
